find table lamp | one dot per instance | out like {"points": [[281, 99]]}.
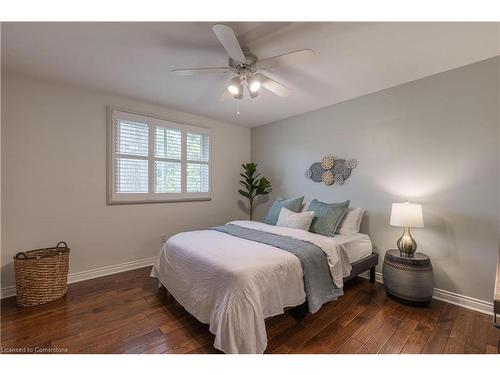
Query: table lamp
{"points": [[407, 215]]}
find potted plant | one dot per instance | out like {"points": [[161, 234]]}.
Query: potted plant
{"points": [[254, 185]]}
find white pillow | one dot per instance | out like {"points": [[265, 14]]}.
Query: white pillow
{"points": [[298, 220], [351, 222]]}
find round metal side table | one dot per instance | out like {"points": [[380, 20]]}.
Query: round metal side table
{"points": [[408, 280]]}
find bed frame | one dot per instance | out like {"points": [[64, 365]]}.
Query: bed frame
{"points": [[364, 265]]}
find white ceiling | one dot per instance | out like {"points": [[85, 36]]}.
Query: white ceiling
{"points": [[135, 59]]}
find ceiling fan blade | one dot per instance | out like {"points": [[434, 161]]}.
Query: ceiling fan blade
{"points": [[291, 58], [196, 71], [273, 86], [227, 38]]}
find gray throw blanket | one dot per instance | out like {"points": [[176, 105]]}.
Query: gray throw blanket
{"points": [[318, 282]]}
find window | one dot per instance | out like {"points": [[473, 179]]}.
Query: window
{"points": [[153, 160]]}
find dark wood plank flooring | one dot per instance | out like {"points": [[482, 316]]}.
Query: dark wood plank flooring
{"points": [[127, 313]]}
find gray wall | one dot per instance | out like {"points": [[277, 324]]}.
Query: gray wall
{"points": [[434, 141], [54, 178]]}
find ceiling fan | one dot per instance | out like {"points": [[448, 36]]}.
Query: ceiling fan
{"points": [[247, 67]]}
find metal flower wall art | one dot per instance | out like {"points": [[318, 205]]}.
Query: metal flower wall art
{"points": [[330, 170]]}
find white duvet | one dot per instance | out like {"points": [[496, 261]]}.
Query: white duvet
{"points": [[233, 284]]}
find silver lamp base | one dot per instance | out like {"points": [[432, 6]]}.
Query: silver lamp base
{"points": [[406, 244]]}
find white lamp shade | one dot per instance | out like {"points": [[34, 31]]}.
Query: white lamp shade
{"points": [[407, 215]]}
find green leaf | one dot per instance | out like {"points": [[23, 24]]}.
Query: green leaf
{"points": [[264, 186], [244, 193], [250, 169]]}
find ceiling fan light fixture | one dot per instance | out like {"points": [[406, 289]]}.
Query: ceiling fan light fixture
{"points": [[235, 87], [253, 94], [253, 85]]}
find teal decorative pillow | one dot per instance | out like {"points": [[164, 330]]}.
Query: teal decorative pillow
{"points": [[327, 216], [274, 212]]}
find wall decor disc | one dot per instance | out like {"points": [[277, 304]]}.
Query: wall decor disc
{"points": [[327, 178], [339, 179], [341, 169], [308, 173], [328, 162], [316, 172], [351, 163]]}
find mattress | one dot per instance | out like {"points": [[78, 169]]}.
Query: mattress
{"points": [[356, 246]]}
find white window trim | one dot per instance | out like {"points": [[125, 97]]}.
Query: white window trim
{"points": [[152, 197]]}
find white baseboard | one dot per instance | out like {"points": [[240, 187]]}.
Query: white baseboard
{"points": [[439, 294], [464, 301], [8, 291], [92, 274], [450, 297]]}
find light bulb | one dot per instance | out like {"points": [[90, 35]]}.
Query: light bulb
{"points": [[254, 86], [233, 89]]}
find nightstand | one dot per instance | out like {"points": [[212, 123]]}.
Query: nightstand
{"points": [[408, 280]]}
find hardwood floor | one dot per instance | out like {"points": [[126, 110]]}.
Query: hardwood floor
{"points": [[127, 313]]}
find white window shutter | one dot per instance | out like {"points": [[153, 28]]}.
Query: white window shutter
{"points": [[131, 166], [168, 143], [153, 160], [197, 147], [197, 173], [197, 178]]}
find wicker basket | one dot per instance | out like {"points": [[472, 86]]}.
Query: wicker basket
{"points": [[41, 275]]}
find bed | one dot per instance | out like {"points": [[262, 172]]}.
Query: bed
{"points": [[234, 284]]}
